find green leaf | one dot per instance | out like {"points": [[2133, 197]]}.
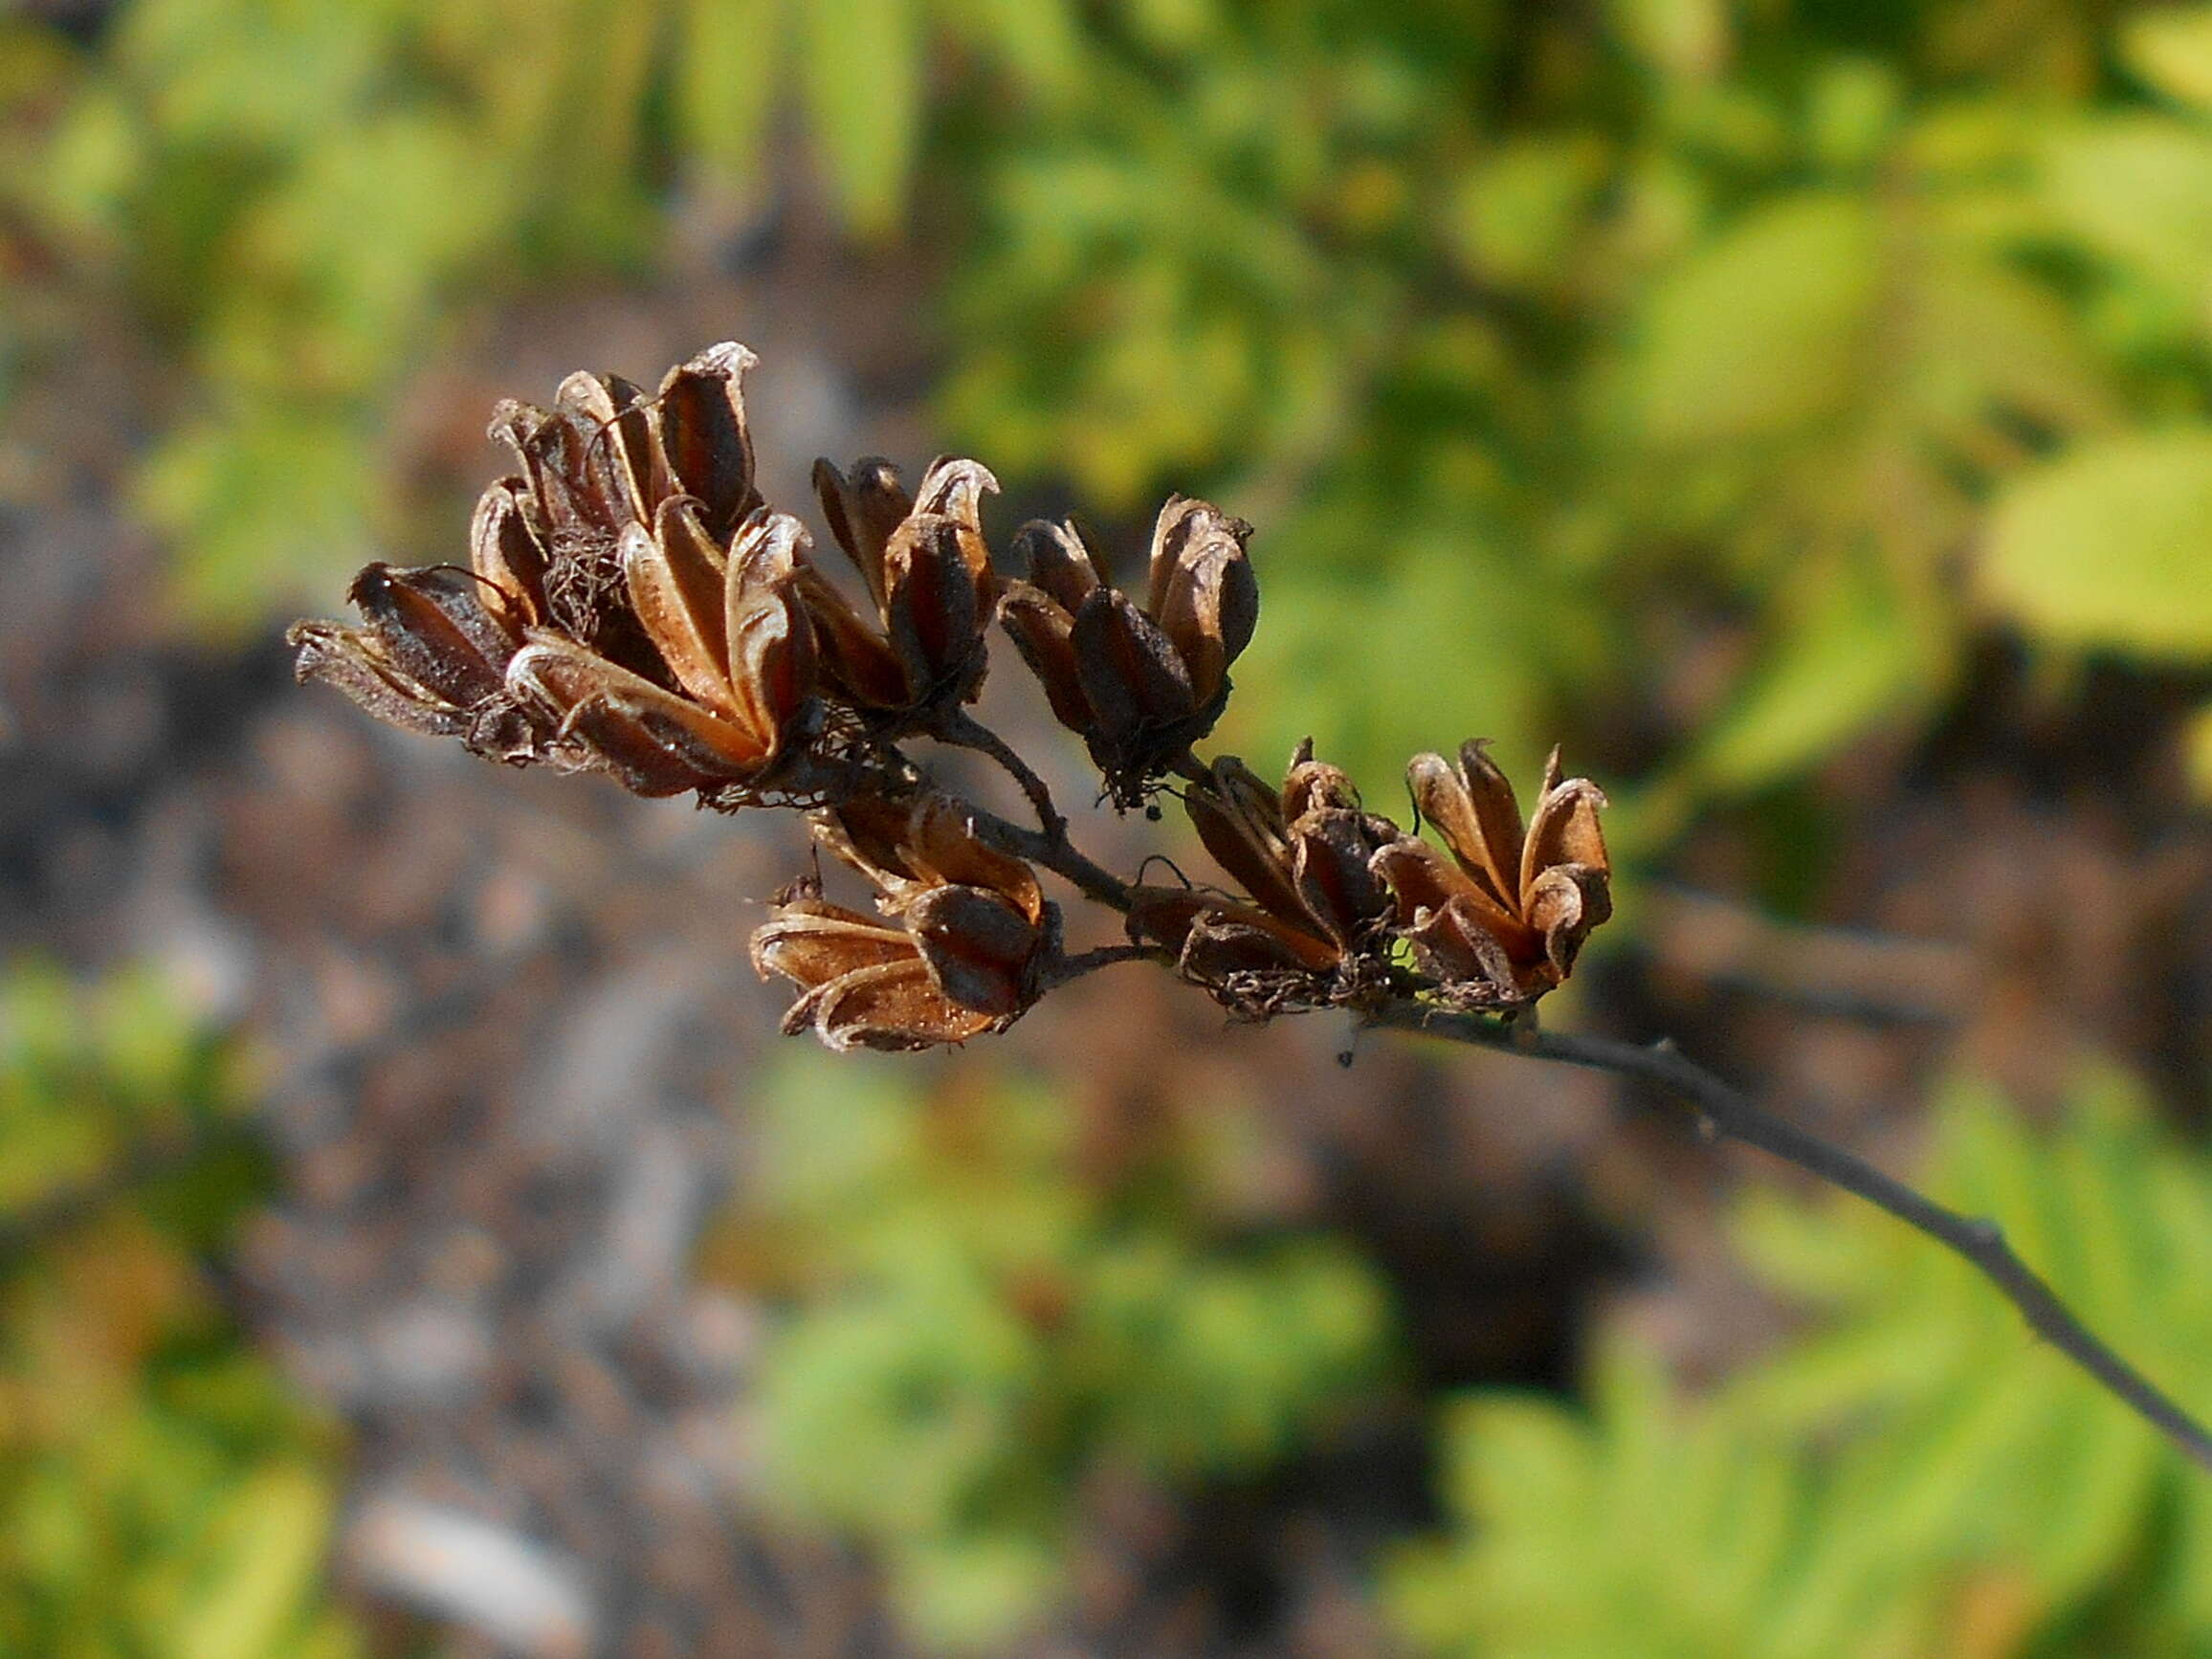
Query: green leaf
{"points": [[2111, 545], [1761, 332], [2171, 48], [861, 70], [728, 70], [1858, 652], [267, 1542], [2137, 189]]}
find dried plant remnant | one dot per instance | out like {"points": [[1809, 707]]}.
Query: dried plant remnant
{"points": [[1139, 684], [631, 606], [929, 577], [1314, 932], [1503, 921], [969, 938]]}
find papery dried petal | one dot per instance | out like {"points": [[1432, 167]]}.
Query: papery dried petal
{"points": [[1454, 946], [810, 941], [1057, 561], [1566, 902], [1204, 594], [659, 742], [1422, 879], [1565, 829], [702, 434], [862, 510], [1239, 818], [357, 665], [895, 1007], [1129, 667], [856, 661], [1042, 632], [934, 615], [676, 580], [506, 553], [1473, 808], [433, 628]]}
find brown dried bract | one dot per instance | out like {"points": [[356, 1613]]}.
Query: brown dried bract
{"points": [[1501, 923], [929, 579], [965, 950], [631, 607], [1139, 684], [728, 628], [1312, 933]]}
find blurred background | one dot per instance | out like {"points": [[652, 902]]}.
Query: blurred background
{"points": [[415, 1240]]}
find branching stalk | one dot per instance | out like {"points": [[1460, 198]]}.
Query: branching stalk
{"points": [[1725, 1110], [963, 731]]}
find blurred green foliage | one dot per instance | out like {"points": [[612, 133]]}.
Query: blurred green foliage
{"points": [[1538, 340], [1911, 1475], [981, 1323], [162, 1496], [303, 198]]}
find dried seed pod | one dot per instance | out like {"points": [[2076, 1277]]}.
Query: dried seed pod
{"points": [[632, 607], [1139, 684], [734, 637], [432, 656], [1503, 922], [964, 952], [929, 578], [1312, 933]]}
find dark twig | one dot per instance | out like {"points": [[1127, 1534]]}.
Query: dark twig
{"points": [[963, 731], [1726, 1111], [1056, 854], [1074, 967]]}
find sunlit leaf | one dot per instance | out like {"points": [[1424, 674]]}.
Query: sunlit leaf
{"points": [[861, 71], [1762, 332], [2110, 546]]}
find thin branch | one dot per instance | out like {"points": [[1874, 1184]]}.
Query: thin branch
{"points": [[1056, 854], [1074, 967], [962, 730], [1722, 1110]]}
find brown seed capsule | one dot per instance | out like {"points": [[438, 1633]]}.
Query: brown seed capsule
{"points": [[1503, 922], [605, 459], [1312, 933], [731, 633], [432, 656], [1139, 684], [632, 606], [963, 953], [929, 579]]}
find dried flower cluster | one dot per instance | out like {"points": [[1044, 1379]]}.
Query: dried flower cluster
{"points": [[631, 606]]}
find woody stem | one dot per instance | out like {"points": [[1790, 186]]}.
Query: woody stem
{"points": [[962, 730], [1722, 1110], [1056, 854], [1073, 968]]}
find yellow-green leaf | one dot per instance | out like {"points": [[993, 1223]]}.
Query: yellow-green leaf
{"points": [[1761, 332], [2110, 546], [862, 73]]}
